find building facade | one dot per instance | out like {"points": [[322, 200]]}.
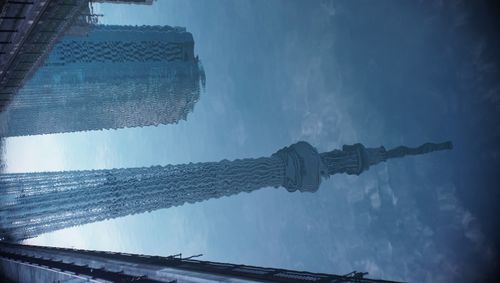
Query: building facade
{"points": [[29, 31], [108, 77], [24, 263], [36, 203]]}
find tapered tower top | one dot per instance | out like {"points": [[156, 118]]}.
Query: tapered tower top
{"points": [[305, 166]]}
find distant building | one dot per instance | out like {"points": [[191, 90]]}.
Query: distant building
{"points": [[24, 263], [108, 77], [40, 202]]}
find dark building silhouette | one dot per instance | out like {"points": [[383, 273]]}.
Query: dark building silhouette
{"points": [[24, 263], [36, 203], [29, 30]]}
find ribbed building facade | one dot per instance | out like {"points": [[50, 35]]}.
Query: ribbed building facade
{"points": [[36, 203], [24, 263], [108, 77]]}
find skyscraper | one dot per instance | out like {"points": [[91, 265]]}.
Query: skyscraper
{"points": [[108, 77], [36, 203], [24, 263]]}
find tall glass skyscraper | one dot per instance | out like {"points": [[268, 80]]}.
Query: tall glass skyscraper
{"points": [[109, 77]]}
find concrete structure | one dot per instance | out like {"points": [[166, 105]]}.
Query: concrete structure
{"points": [[36, 203], [22, 263], [28, 30]]}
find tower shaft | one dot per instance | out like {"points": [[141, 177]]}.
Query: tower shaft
{"points": [[36, 203]]}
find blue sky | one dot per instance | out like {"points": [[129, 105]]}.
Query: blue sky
{"points": [[327, 72]]}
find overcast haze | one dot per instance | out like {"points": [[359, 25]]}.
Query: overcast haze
{"points": [[331, 73]]}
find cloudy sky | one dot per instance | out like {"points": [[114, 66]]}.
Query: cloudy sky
{"points": [[330, 73]]}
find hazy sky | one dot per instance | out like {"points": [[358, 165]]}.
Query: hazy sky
{"points": [[330, 73]]}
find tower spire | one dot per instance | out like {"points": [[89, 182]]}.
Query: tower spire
{"points": [[356, 158], [401, 151]]}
